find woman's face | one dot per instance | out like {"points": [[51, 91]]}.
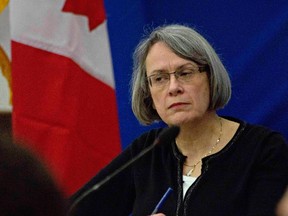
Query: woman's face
{"points": [[178, 101]]}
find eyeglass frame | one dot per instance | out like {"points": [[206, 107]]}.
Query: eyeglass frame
{"points": [[201, 69]]}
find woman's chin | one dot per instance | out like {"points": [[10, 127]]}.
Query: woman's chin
{"points": [[178, 121]]}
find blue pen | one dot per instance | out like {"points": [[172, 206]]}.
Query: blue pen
{"points": [[163, 199]]}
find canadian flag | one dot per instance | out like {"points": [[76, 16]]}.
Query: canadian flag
{"points": [[64, 103]]}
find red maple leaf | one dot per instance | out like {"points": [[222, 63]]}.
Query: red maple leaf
{"points": [[93, 9]]}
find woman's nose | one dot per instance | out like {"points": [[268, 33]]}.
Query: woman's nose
{"points": [[175, 86]]}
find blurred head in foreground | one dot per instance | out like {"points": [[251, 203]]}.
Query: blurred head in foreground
{"points": [[26, 187]]}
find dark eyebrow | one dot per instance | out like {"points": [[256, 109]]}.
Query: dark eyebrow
{"points": [[177, 69], [155, 72], [185, 65]]}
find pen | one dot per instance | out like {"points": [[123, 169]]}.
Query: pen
{"points": [[163, 199]]}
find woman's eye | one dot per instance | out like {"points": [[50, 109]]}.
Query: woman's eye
{"points": [[184, 73], [160, 78]]}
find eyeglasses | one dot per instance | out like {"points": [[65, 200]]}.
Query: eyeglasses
{"points": [[184, 75]]}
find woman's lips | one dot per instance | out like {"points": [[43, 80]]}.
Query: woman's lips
{"points": [[177, 105]]}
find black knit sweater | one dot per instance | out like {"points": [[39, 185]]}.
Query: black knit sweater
{"points": [[247, 177]]}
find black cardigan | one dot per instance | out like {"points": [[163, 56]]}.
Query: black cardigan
{"points": [[247, 177]]}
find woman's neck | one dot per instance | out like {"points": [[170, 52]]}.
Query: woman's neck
{"points": [[198, 136]]}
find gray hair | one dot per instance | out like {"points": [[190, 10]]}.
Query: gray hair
{"points": [[188, 44]]}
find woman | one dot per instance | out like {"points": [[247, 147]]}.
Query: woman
{"points": [[216, 166]]}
